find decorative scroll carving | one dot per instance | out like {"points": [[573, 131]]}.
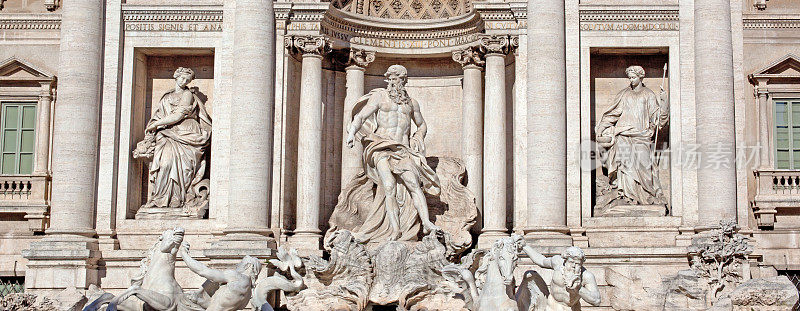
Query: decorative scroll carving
{"points": [[361, 58], [315, 45], [469, 56], [495, 44], [406, 9]]}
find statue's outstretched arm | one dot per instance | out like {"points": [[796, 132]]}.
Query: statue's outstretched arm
{"points": [[589, 290], [201, 269], [537, 258]]}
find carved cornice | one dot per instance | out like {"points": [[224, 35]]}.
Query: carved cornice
{"points": [[361, 58], [207, 18], [172, 15], [308, 45], [759, 21], [628, 15], [338, 24], [496, 44], [47, 21], [469, 56], [629, 20]]}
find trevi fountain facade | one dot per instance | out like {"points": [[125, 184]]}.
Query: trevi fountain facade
{"points": [[375, 155]]}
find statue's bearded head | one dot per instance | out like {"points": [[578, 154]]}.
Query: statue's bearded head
{"points": [[396, 77], [573, 266], [635, 75]]}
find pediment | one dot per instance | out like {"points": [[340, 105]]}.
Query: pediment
{"points": [[786, 66], [14, 68]]}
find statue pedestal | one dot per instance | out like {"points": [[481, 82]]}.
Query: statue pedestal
{"points": [[72, 258], [230, 249], [634, 211], [166, 213]]}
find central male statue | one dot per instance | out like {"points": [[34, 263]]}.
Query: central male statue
{"points": [[394, 160]]}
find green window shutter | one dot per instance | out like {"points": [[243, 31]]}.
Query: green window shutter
{"points": [[783, 137], [18, 138]]}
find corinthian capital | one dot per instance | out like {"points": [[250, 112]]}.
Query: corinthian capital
{"points": [[495, 44], [469, 56], [360, 58], [314, 45]]}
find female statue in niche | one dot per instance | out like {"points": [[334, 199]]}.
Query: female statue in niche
{"points": [[175, 141], [627, 131]]}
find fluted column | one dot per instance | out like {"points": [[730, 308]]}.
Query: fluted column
{"points": [[471, 59], [495, 47], [43, 130], [547, 122], [714, 100], [351, 157], [309, 149]]}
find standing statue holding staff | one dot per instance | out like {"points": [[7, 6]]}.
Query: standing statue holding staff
{"points": [[628, 130]]}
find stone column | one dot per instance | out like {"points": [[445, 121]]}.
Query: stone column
{"points": [[763, 126], [547, 123], [70, 249], [496, 47], [43, 130], [471, 59], [247, 231], [714, 100], [351, 157], [309, 147]]}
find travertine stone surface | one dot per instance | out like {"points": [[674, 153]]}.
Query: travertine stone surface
{"points": [[77, 121], [43, 134], [716, 186], [495, 47], [358, 61], [251, 117], [309, 162], [547, 122], [472, 61]]}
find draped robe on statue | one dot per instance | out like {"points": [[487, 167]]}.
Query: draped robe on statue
{"points": [[177, 164], [632, 121], [361, 207]]}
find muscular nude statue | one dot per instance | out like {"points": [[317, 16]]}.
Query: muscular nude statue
{"points": [[236, 285], [570, 282], [394, 159]]}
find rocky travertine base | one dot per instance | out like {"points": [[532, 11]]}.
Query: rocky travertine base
{"points": [[69, 299]]}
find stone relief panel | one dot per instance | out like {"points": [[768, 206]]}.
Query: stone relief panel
{"points": [[406, 9], [173, 139], [630, 130]]}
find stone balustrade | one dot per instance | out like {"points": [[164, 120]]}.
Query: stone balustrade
{"points": [[775, 189], [25, 195]]}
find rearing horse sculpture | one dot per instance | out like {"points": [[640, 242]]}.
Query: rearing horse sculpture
{"points": [[492, 287]]}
